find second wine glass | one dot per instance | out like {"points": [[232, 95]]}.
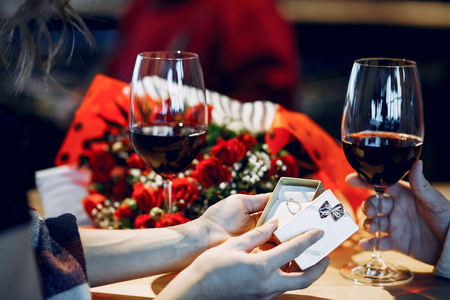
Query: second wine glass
{"points": [[168, 113], [382, 135]]}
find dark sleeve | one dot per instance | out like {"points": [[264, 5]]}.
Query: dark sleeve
{"points": [[60, 256], [16, 177]]}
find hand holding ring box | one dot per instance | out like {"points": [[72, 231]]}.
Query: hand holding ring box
{"points": [[301, 205]]}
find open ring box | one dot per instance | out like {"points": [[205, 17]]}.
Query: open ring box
{"points": [[301, 205]]}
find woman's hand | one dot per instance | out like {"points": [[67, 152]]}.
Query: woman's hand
{"points": [[152, 251], [232, 216], [415, 216], [232, 271]]}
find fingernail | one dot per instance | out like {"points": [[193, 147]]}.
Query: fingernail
{"points": [[272, 221], [320, 235], [420, 164]]}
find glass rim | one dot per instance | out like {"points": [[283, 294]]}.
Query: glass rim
{"points": [[383, 62], [168, 55]]}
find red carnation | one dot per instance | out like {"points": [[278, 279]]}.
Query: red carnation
{"points": [[210, 172]]}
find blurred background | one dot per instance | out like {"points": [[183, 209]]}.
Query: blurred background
{"points": [[327, 36]]}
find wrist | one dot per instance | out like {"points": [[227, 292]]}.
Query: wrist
{"points": [[186, 286], [212, 233], [196, 237]]}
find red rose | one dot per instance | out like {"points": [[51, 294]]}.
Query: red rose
{"points": [[228, 152], [162, 112], [171, 219], [144, 221], [246, 192], [248, 140], [289, 168], [184, 189], [146, 197], [121, 188], [210, 172], [134, 161], [196, 115], [123, 212], [91, 201], [101, 164]]}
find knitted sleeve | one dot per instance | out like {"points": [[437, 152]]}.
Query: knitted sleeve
{"points": [[60, 257]]}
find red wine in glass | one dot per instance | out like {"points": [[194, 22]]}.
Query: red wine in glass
{"points": [[382, 158], [168, 113], [167, 148], [382, 136]]}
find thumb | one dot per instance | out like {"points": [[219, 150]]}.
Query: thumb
{"points": [[256, 237], [421, 187]]}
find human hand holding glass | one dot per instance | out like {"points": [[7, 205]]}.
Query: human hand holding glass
{"points": [[415, 220], [168, 113], [382, 135]]}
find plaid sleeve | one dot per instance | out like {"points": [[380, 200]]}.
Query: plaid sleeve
{"points": [[60, 257]]}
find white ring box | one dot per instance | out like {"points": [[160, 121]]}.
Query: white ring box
{"points": [[296, 202]]}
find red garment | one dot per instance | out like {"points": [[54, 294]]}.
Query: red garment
{"points": [[246, 49]]}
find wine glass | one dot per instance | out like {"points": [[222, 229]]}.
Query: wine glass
{"points": [[168, 113], [382, 135]]}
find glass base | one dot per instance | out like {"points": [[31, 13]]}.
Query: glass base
{"points": [[389, 276]]}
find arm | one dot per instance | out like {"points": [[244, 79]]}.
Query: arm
{"points": [[125, 254], [115, 255], [232, 271]]}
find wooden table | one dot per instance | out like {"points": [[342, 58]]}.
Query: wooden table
{"points": [[330, 286]]}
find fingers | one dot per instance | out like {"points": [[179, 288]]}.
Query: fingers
{"points": [[356, 181], [370, 209], [254, 203], [255, 237], [422, 188], [289, 250], [301, 280], [377, 224], [385, 244]]}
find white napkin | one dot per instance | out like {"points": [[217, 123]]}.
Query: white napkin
{"points": [[62, 189]]}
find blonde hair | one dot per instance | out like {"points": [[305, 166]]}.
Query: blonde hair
{"points": [[29, 27]]}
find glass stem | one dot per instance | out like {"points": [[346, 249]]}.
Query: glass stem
{"points": [[377, 263], [168, 195]]}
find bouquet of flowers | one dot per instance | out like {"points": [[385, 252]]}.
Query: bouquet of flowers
{"points": [[249, 146], [125, 193]]}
